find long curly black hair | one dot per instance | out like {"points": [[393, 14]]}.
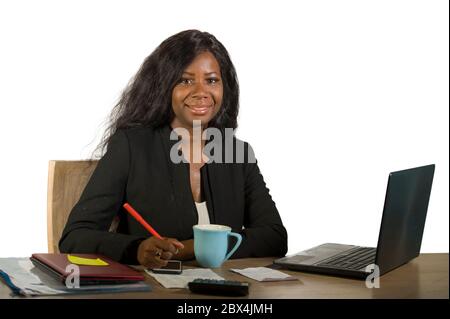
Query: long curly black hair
{"points": [[147, 100]]}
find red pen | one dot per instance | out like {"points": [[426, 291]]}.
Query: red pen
{"points": [[141, 220]]}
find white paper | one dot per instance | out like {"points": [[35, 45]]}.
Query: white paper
{"points": [[263, 274], [182, 280], [34, 282], [20, 271]]}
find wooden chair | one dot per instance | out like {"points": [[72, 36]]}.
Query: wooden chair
{"points": [[66, 182]]}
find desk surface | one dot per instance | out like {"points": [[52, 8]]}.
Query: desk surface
{"points": [[424, 277]]}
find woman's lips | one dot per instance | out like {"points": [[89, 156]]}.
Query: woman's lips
{"points": [[199, 105], [199, 109]]}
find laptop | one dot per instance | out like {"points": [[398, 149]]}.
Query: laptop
{"points": [[399, 240]]}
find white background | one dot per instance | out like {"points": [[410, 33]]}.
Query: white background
{"points": [[334, 96]]}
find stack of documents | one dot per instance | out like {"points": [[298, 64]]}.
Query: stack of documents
{"points": [[25, 279]]}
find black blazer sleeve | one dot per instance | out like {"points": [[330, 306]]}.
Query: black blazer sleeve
{"points": [[263, 233], [87, 228]]}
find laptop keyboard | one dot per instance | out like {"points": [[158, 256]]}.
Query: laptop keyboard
{"points": [[354, 260]]}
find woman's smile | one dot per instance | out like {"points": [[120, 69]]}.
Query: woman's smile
{"points": [[200, 106], [199, 109]]}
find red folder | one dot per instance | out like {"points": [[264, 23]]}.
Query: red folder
{"points": [[113, 273]]}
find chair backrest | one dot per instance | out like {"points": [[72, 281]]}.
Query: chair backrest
{"points": [[66, 182]]}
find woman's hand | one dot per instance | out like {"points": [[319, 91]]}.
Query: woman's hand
{"points": [[154, 252], [186, 253]]}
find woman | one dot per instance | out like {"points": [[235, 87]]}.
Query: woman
{"points": [[188, 83]]}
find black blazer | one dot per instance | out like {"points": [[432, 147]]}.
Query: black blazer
{"points": [[137, 169]]}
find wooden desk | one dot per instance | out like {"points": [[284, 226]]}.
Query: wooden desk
{"points": [[424, 277]]}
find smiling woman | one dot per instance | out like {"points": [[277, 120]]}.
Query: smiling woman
{"points": [[188, 83], [178, 65], [198, 95]]}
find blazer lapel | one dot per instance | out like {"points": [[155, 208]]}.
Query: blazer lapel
{"points": [[179, 179]]}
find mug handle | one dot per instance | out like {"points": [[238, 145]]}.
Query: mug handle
{"points": [[238, 242]]}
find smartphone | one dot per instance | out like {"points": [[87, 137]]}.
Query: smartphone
{"points": [[172, 267]]}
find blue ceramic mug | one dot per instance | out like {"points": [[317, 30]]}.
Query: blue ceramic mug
{"points": [[211, 244]]}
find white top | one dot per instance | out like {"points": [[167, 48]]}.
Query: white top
{"points": [[202, 210]]}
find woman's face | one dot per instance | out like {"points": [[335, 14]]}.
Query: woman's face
{"points": [[198, 95]]}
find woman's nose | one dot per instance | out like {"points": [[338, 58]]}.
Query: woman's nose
{"points": [[199, 95], [200, 90]]}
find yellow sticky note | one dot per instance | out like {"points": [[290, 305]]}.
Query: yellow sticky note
{"points": [[86, 261]]}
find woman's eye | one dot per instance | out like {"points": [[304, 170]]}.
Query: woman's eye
{"points": [[186, 81], [213, 80]]}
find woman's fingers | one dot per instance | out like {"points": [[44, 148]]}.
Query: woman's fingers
{"points": [[153, 260], [176, 243], [170, 244], [161, 254], [166, 255], [154, 252]]}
